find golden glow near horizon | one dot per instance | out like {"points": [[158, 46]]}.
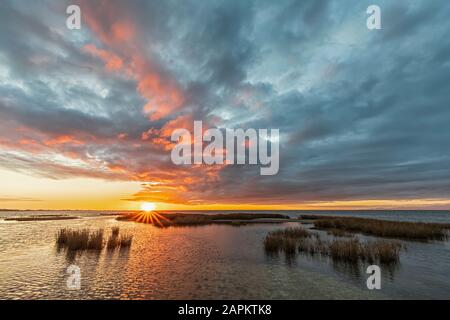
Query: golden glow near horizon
{"points": [[24, 191], [30, 192]]}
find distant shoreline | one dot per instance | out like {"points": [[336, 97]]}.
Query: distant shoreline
{"points": [[233, 210]]}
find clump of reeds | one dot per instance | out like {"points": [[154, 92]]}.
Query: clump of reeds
{"points": [[73, 239], [284, 240], [91, 240], [125, 240], [61, 236], [291, 240], [272, 243], [245, 216], [115, 231], [95, 240], [290, 246], [373, 251], [353, 250], [384, 228], [345, 250], [188, 220], [292, 232], [114, 241], [313, 246], [383, 251], [339, 233]]}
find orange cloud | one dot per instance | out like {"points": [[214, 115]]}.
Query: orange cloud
{"points": [[122, 31], [63, 139], [177, 186], [162, 136], [162, 95], [124, 53], [122, 136], [108, 21], [112, 61], [116, 168], [119, 47]]}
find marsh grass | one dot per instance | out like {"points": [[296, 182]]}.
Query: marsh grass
{"points": [[384, 252], [383, 228], [188, 219], [126, 240], [315, 217], [125, 217], [292, 232], [290, 246], [85, 239], [273, 244], [313, 246], [285, 240], [353, 250], [116, 241], [339, 233], [73, 239], [346, 250], [115, 231], [96, 240], [293, 240], [113, 242], [246, 216]]}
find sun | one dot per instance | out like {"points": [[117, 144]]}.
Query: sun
{"points": [[148, 206], [149, 215]]}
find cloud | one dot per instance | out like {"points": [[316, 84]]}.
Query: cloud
{"points": [[115, 30], [362, 114], [112, 61]]}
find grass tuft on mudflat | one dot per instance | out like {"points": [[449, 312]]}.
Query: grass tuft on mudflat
{"points": [[293, 240], [85, 239]]}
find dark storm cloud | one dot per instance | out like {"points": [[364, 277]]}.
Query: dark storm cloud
{"points": [[405, 20], [362, 114]]}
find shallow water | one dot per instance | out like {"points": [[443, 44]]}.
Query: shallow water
{"points": [[207, 262]]}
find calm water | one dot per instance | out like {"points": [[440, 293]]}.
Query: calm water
{"points": [[208, 262]]}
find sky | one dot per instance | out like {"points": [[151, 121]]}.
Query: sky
{"points": [[86, 115]]}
